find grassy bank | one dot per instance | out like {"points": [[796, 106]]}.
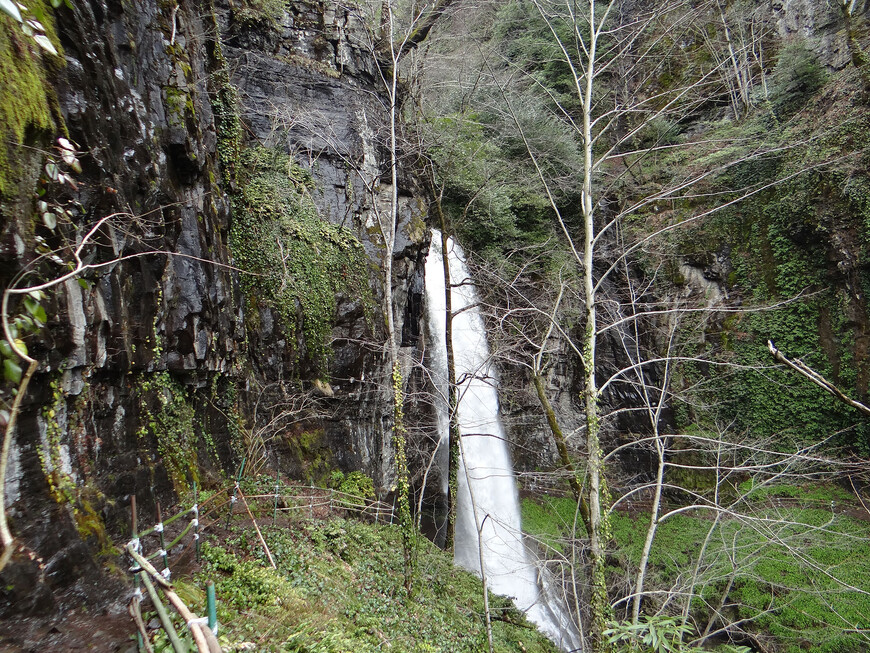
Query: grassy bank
{"points": [[338, 588], [791, 566]]}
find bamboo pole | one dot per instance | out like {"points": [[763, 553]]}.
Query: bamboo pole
{"points": [[259, 534], [211, 606], [165, 621], [140, 637], [162, 541], [196, 629], [205, 640], [196, 521]]}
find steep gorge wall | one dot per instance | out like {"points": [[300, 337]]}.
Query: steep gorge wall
{"points": [[805, 237], [160, 368]]}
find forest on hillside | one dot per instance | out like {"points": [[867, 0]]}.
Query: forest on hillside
{"points": [[268, 264]]}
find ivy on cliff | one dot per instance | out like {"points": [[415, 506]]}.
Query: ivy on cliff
{"points": [[224, 102], [802, 242], [297, 263], [168, 415]]}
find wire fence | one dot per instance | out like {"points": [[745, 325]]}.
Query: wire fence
{"points": [[286, 499]]}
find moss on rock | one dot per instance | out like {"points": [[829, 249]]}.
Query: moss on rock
{"points": [[26, 99]]}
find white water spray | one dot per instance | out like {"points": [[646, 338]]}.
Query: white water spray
{"points": [[492, 519]]}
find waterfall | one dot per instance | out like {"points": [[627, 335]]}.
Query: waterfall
{"points": [[486, 472]]}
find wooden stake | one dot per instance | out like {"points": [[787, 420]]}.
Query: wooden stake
{"points": [[277, 484], [211, 606], [142, 632]]}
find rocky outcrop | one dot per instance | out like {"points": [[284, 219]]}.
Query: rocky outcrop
{"points": [[819, 23], [309, 85]]}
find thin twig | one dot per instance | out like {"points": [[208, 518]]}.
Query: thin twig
{"points": [[136, 613], [5, 534]]}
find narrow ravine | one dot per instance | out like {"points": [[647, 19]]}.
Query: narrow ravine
{"points": [[488, 525]]}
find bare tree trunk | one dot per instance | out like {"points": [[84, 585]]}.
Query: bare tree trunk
{"points": [[387, 225], [651, 531], [395, 38], [562, 448], [452, 390], [654, 411], [598, 523], [741, 76], [5, 535], [452, 394], [802, 368]]}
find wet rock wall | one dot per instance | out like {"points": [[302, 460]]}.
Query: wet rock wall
{"points": [[155, 371]]}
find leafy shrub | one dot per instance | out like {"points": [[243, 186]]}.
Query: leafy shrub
{"points": [[356, 484], [655, 634], [246, 583]]}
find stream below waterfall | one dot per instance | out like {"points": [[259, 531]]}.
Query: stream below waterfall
{"points": [[488, 526]]}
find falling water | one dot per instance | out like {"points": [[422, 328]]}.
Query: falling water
{"points": [[487, 502]]}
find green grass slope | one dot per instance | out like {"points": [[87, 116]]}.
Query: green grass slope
{"points": [[339, 588]]}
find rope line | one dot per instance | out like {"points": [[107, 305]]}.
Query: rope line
{"points": [[298, 498]]}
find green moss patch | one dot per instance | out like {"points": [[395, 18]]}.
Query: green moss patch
{"points": [[260, 12], [551, 521], [801, 241], [794, 568]]}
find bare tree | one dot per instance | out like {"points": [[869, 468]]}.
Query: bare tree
{"points": [[588, 31], [402, 29], [736, 43]]}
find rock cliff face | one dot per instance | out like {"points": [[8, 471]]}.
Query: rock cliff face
{"points": [[164, 366], [819, 22], [309, 85], [159, 369]]}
